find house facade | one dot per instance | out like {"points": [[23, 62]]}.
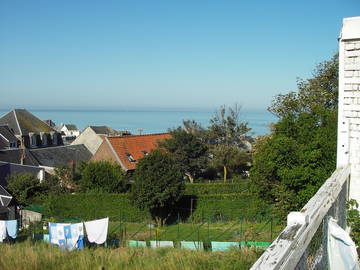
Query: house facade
{"points": [[127, 150], [30, 130], [93, 136]]}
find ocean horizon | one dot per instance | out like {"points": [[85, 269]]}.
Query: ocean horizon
{"points": [[146, 120]]}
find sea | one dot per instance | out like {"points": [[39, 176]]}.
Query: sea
{"points": [[148, 121]]}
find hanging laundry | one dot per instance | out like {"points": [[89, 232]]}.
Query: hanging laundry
{"points": [[341, 249], [96, 230], [66, 235], [2, 230], [11, 227]]}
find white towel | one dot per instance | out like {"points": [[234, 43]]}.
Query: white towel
{"points": [[341, 249], [97, 230], [2, 230]]}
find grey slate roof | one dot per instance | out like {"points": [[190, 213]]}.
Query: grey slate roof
{"points": [[7, 134], [105, 130], [61, 155], [14, 156], [21, 122], [71, 127]]}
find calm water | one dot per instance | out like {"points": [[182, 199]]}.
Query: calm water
{"points": [[148, 121]]}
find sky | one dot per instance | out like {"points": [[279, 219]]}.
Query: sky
{"points": [[193, 54]]}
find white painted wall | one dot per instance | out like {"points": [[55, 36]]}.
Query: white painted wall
{"points": [[348, 147]]}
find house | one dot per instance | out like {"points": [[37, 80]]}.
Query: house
{"points": [[18, 156], [7, 138], [59, 156], [8, 205], [127, 150], [30, 130], [68, 132], [93, 136], [9, 169]]}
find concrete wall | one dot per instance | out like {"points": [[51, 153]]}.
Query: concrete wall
{"points": [[348, 148], [90, 139]]}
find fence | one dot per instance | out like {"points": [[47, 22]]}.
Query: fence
{"points": [[302, 244], [242, 231]]}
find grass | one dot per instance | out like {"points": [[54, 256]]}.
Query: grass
{"points": [[41, 256], [218, 231]]}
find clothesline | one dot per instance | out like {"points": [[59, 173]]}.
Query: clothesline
{"points": [[71, 235]]}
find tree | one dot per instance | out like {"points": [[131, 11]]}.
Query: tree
{"points": [[228, 140], [230, 158], [158, 184], [189, 151], [293, 161], [104, 176], [24, 187], [226, 128]]}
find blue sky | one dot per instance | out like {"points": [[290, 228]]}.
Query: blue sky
{"points": [[161, 54]]}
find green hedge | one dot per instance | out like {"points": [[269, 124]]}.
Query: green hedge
{"points": [[92, 206], [189, 208], [216, 188]]}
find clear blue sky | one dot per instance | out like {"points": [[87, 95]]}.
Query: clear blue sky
{"points": [[161, 54]]}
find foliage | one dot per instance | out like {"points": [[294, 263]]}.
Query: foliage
{"points": [[158, 184], [188, 151], [87, 206], [92, 205], [320, 91], [24, 187], [353, 220], [216, 188], [293, 161], [230, 158], [226, 128], [103, 176], [70, 175]]}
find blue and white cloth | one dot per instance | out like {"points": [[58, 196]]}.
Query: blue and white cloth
{"points": [[67, 235], [11, 228]]}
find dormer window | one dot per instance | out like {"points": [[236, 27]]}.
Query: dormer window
{"points": [[130, 157], [145, 153]]}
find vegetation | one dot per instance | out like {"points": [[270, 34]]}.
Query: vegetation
{"points": [[189, 152], [293, 161], [158, 184], [24, 187], [41, 256], [223, 147], [353, 220], [213, 207], [104, 176]]}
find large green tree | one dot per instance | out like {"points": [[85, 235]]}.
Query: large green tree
{"points": [[188, 150], [104, 176], [158, 184], [291, 163]]}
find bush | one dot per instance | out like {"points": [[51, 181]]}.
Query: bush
{"points": [[216, 188], [213, 207], [104, 176]]}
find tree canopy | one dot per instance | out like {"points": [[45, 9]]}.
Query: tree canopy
{"points": [[291, 163], [158, 184], [104, 176], [188, 150]]}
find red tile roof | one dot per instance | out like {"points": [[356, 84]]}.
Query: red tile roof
{"points": [[136, 146]]}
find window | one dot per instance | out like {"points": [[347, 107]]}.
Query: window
{"points": [[130, 157]]}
